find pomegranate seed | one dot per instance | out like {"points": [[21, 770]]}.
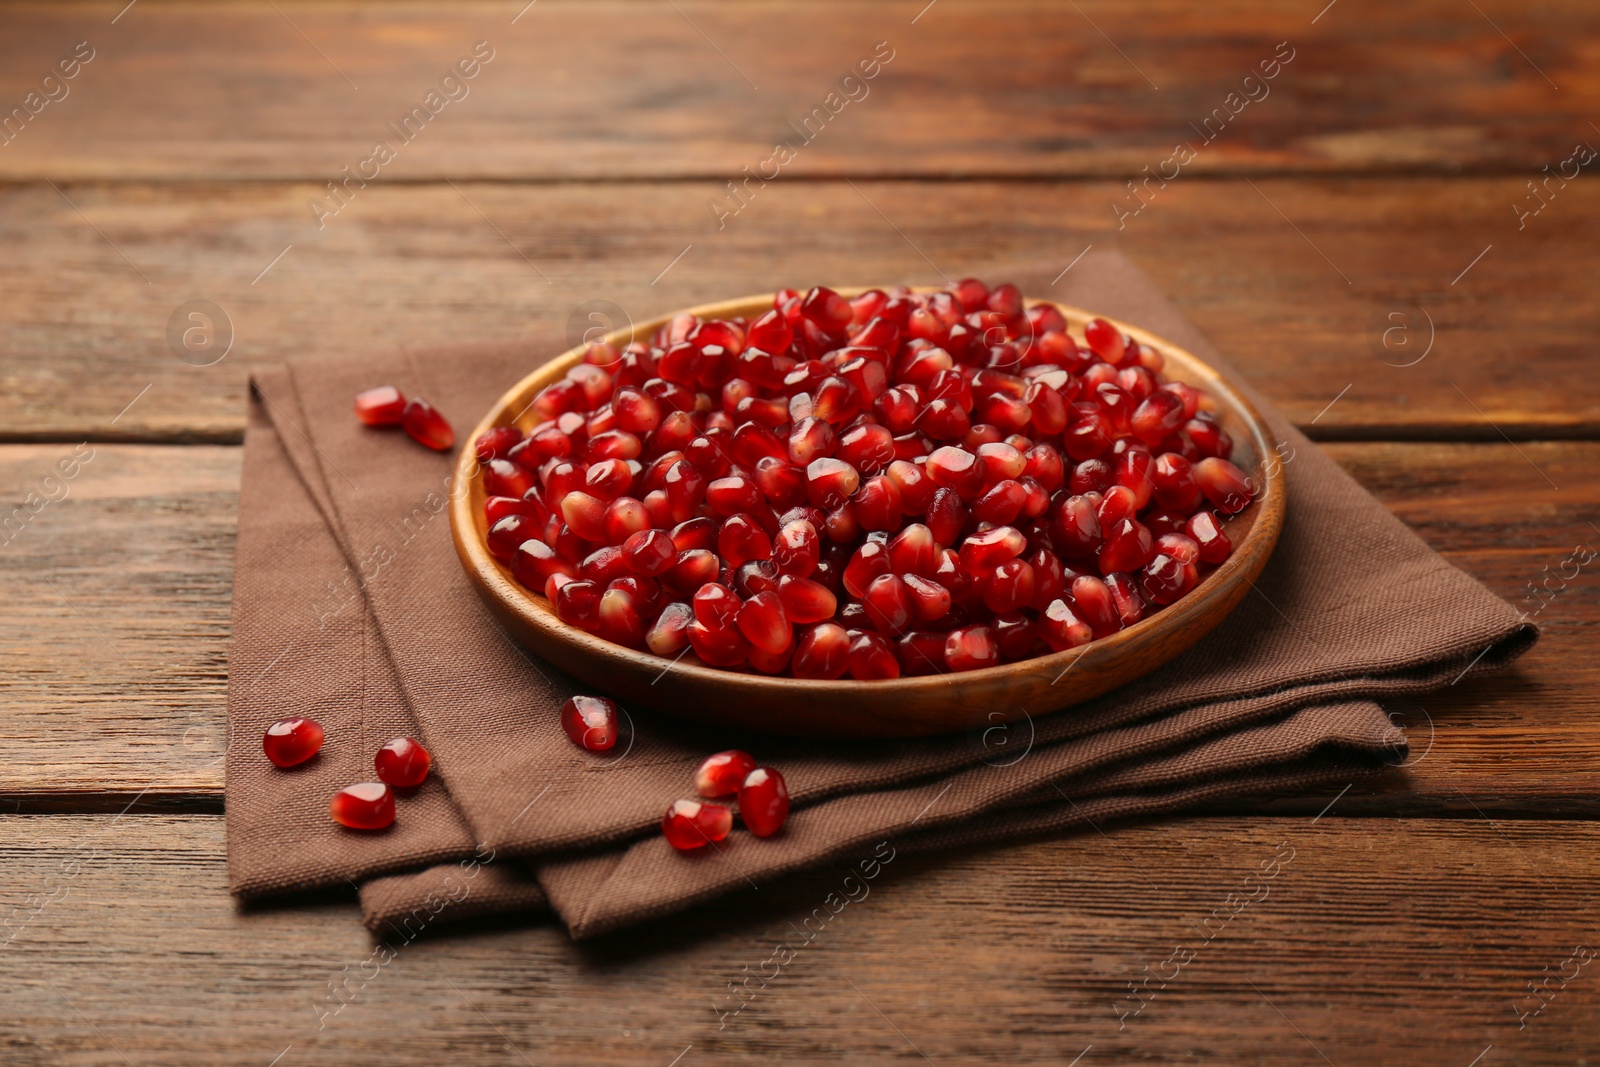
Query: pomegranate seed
{"points": [[496, 508], [831, 482], [402, 763], [650, 552], [715, 606], [722, 774], [888, 604], [958, 470], [1166, 578], [585, 515], [913, 551], [363, 806], [1160, 414], [970, 648], [382, 406], [623, 518], [689, 824], [764, 801], [1209, 438], [878, 504], [668, 635], [608, 479], [762, 621], [685, 487], [871, 658], [797, 548], [497, 443], [1172, 478], [990, 548], [622, 618], [427, 427], [578, 602], [509, 534], [693, 570], [1105, 340], [292, 741], [1002, 503], [1044, 465], [1061, 627], [1095, 605], [929, 600], [1203, 529], [869, 562], [770, 333], [946, 516], [1180, 547], [1224, 484], [867, 447], [742, 539], [591, 722], [536, 561], [1008, 586], [1127, 547], [1125, 595], [821, 652], [732, 495], [805, 601]]}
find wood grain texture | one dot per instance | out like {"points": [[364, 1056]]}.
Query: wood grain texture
{"points": [[1395, 942], [86, 333], [115, 683], [997, 87]]}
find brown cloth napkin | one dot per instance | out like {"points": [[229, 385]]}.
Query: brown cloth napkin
{"points": [[350, 607]]}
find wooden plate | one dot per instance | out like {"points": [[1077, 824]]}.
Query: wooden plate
{"points": [[904, 707]]}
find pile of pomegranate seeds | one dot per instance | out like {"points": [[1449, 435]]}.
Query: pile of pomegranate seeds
{"points": [[762, 794], [387, 406], [899, 484], [591, 724], [402, 763]]}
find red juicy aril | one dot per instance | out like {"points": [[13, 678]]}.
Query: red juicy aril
{"points": [[591, 722], [402, 763], [363, 806], [292, 741], [764, 801], [722, 774], [381, 406], [689, 824], [900, 484]]}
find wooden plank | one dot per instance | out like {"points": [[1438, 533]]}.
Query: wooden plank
{"points": [[240, 90], [113, 681], [90, 333], [113, 662], [1384, 942]]}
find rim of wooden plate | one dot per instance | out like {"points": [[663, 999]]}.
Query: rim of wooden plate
{"points": [[903, 707]]}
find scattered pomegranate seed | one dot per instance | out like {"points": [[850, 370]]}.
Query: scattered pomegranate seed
{"points": [[689, 824], [591, 722], [895, 484], [722, 774], [292, 741], [426, 426], [402, 763], [381, 406], [363, 806], [764, 801]]}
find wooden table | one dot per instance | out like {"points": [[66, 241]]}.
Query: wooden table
{"points": [[1361, 238]]}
